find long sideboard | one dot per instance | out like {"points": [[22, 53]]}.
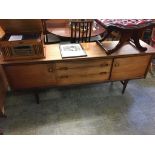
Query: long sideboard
{"points": [[52, 71]]}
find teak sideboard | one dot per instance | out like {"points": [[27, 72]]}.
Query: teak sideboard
{"points": [[124, 65]]}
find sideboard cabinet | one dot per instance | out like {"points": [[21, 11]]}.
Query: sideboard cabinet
{"points": [[124, 65]]}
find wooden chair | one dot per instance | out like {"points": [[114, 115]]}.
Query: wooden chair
{"points": [[81, 31]]}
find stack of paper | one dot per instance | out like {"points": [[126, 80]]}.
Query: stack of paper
{"points": [[15, 37]]}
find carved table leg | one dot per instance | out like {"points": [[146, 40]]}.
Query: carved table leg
{"points": [[125, 37], [136, 36]]}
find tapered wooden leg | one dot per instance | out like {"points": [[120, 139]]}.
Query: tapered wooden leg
{"points": [[2, 113], [37, 97], [124, 85], [1, 131], [136, 36]]}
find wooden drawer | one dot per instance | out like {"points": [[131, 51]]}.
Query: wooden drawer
{"points": [[83, 78], [83, 63], [83, 71], [30, 75]]}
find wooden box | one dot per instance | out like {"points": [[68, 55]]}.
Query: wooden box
{"points": [[31, 44]]}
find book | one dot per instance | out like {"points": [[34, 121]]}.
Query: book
{"points": [[72, 50], [15, 37]]}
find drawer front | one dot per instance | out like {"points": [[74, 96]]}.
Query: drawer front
{"points": [[80, 72], [80, 79], [30, 76], [67, 79], [83, 64], [83, 71]]}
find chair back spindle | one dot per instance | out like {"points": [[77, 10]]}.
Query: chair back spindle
{"points": [[81, 31]]}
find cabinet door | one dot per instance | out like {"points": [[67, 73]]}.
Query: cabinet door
{"points": [[30, 75], [130, 67]]}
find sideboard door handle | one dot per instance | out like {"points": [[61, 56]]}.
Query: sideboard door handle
{"points": [[116, 64], [64, 76], [104, 65], [50, 69]]}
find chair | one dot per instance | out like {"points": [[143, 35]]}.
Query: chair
{"points": [[81, 31], [49, 37]]}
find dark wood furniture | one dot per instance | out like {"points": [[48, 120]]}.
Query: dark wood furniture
{"points": [[52, 71], [130, 31], [61, 28], [81, 31], [3, 91]]}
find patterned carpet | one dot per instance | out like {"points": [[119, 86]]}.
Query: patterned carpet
{"points": [[89, 109]]}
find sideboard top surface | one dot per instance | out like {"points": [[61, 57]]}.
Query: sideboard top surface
{"points": [[52, 52]]}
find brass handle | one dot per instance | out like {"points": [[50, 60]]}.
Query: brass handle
{"points": [[104, 65], [21, 42], [64, 68], [103, 73], [64, 76], [50, 69], [116, 64]]}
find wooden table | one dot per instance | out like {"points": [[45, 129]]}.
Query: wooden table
{"points": [[96, 67], [61, 28]]}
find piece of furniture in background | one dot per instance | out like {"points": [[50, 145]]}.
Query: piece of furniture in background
{"points": [[30, 46], [62, 28], [81, 30], [2, 33], [49, 37], [152, 43], [97, 67], [130, 30], [3, 91], [146, 36]]}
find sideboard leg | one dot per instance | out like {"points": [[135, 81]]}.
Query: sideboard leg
{"points": [[124, 85], [37, 97], [1, 131], [2, 113]]}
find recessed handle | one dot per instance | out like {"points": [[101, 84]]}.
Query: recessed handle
{"points": [[50, 69], [116, 64], [64, 76], [103, 73], [104, 65], [64, 68]]}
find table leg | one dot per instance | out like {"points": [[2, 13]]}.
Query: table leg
{"points": [[124, 85], [125, 37], [136, 36]]}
